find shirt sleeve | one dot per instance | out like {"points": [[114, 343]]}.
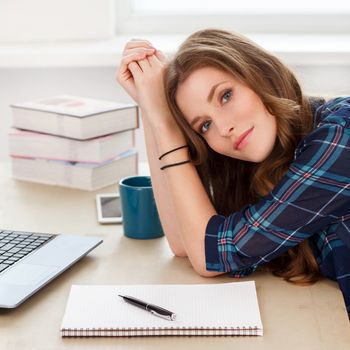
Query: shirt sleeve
{"points": [[314, 193]]}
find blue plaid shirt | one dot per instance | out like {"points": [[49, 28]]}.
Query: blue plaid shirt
{"points": [[312, 201]]}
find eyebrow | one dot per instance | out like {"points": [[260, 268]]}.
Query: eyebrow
{"points": [[212, 90], [194, 121], [209, 99]]}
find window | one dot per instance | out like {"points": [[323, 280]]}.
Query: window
{"points": [[55, 20], [184, 16]]}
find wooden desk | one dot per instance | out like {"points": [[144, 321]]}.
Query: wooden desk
{"points": [[297, 318]]}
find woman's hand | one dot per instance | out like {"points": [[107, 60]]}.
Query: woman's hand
{"points": [[135, 50], [148, 80]]}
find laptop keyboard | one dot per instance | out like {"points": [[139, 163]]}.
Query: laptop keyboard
{"points": [[15, 245]]}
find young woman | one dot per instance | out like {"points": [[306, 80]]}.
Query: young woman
{"points": [[246, 170]]}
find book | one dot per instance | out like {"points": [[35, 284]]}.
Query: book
{"points": [[84, 176], [201, 310], [75, 117], [24, 143]]}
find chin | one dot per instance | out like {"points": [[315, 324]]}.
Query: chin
{"points": [[257, 159], [260, 157]]}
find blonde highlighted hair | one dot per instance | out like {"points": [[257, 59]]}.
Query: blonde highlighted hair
{"points": [[281, 94]]}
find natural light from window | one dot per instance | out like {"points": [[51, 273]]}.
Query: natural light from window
{"points": [[236, 7]]}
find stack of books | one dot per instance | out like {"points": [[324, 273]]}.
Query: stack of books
{"points": [[73, 142]]}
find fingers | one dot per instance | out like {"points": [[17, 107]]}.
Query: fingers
{"points": [[162, 57], [133, 55], [153, 60], [136, 55], [138, 50], [141, 66], [144, 64], [134, 68], [141, 55], [135, 43]]}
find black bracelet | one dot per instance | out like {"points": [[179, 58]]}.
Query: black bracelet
{"points": [[174, 164], [171, 151]]}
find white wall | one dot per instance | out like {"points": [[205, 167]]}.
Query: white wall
{"points": [[43, 20], [330, 80]]}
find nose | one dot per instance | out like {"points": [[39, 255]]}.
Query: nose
{"points": [[225, 128]]}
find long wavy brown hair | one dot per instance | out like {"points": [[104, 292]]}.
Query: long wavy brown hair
{"points": [[247, 182]]}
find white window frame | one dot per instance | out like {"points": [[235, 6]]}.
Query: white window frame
{"points": [[128, 22]]}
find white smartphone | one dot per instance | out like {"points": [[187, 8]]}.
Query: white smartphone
{"points": [[108, 208]]}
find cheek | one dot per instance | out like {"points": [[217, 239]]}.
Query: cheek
{"points": [[219, 145], [210, 140]]}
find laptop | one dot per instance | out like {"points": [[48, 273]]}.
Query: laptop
{"points": [[29, 260]]}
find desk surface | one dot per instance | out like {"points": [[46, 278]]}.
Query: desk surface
{"points": [[293, 317]]}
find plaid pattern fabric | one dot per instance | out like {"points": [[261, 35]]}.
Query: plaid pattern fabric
{"points": [[312, 201]]}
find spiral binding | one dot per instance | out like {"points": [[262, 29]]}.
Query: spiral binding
{"points": [[166, 331]]}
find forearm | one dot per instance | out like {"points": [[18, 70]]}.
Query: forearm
{"points": [[191, 203], [165, 206], [187, 201]]}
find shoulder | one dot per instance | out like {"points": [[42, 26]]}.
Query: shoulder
{"points": [[332, 128], [334, 111]]}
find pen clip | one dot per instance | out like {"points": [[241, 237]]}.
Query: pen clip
{"points": [[167, 317]]}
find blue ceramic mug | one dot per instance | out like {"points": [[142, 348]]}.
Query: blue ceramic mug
{"points": [[140, 215]]}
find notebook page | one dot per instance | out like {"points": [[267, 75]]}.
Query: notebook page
{"points": [[208, 306]]}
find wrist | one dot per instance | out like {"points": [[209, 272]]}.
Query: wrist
{"points": [[158, 108], [167, 136], [159, 121]]}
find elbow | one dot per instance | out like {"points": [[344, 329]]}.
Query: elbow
{"points": [[203, 272], [179, 252]]}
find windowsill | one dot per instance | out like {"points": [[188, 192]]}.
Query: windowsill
{"points": [[292, 49]]}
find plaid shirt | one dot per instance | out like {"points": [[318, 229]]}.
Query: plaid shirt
{"points": [[312, 201]]}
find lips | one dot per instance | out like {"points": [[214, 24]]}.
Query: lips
{"points": [[240, 141]]}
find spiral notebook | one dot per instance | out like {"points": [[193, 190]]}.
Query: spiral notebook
{"points": [[201, 310]]}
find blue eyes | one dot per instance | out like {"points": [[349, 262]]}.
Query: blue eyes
{"points": [[204, 127], [225, 97]]}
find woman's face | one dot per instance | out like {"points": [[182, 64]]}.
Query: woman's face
{"points": [[229, 115]]}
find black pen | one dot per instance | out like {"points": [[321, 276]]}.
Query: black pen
{"points": [[154, 309]]}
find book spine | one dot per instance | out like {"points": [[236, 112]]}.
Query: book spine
{"points": [[79, 175]]}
